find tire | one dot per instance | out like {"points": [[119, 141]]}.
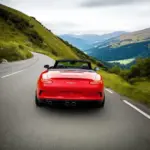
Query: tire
{"points": [[101, 104], [37, 102]]}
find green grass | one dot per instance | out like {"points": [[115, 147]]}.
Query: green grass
{"points": [[138, 91], [12, 51], [144, 85]]}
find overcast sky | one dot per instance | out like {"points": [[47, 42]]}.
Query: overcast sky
{"points": [[87, 16]]}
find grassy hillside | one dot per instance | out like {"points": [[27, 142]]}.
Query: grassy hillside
{"points": [[26, 33]]}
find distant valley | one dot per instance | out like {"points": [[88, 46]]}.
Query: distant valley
{"points": [[117, 47], [87, 41], [125, 47]]}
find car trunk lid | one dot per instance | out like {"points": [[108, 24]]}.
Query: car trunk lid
{"points": [[72, 75]]}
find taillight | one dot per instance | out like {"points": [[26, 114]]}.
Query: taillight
{"points": [[47, 81], [96, 82]]}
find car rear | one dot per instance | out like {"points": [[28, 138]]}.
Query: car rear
{"points": [[69, 85]]}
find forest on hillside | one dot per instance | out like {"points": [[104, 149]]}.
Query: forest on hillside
{"points": [[139, 71]]}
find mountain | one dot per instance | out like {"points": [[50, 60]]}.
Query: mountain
{"points": [[126, 46], [21, 34], [75, 41], [136, 36], [86, 41], [109, 53], [94, 38]]}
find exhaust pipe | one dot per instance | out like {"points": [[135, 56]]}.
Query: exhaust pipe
{"points": [[49, 102], [73, 104], [67, 103], [70, 104]]}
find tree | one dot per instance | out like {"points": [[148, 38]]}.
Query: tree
{"points": [[116, 69]]}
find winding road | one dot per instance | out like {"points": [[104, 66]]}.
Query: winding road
{"points": [[120, 125]]}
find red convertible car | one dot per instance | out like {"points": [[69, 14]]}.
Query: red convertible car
{"points": [[70, 82]]}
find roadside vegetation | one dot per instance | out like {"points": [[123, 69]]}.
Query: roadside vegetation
{"points": [[133, 83], [12, 51]]}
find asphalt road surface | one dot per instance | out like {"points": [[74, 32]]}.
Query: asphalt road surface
{"points": [[23, 126]]}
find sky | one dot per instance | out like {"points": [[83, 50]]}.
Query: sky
{"points": [[86, 16]]}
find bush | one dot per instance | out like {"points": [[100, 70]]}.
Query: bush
{"points": [[21, 46], [54, 53], [140, 69], [116, 69], [124, 74], [12, 51], [34, 37]]}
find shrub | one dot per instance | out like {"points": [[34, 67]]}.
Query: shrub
{"points": [[55, 53], [21, 46], [34, 37], [124, 74], [140, 69], [12, 51], [116, 69]]}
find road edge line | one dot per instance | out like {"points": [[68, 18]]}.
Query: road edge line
{"points": [[12, 73], [109, 91], [137, 109]]}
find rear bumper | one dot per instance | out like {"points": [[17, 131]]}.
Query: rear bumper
{"points": [[70, 102], [96, 96]]}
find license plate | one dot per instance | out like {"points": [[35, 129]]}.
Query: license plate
{"points": [[70, 93]]}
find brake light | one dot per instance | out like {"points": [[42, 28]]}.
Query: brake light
{"points": [[46, 78], [47, 81], [96, 82]]}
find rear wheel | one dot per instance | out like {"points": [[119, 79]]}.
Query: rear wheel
{"points": [[38, 102], [101, 104]]}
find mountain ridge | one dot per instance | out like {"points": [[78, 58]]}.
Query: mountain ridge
{"points": [[86, 41], [131, 45]]}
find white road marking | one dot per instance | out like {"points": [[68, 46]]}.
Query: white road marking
{"points": [[109, 91], [137, 109], [12, 74]]}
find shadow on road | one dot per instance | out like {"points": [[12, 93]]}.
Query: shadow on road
{"points": [[72, 110]]}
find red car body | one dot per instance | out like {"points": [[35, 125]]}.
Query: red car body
{"points": [[70, 85]]}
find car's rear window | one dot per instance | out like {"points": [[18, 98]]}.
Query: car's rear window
{"points": [[69, 64]]}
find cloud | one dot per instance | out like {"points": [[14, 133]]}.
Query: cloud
{"points": [[5, 1], [97, 3], [48, 4], [67, 16], [61, 25]]}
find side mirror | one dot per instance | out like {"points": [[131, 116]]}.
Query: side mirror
{"points": [[96, 69], [46, 66]]}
